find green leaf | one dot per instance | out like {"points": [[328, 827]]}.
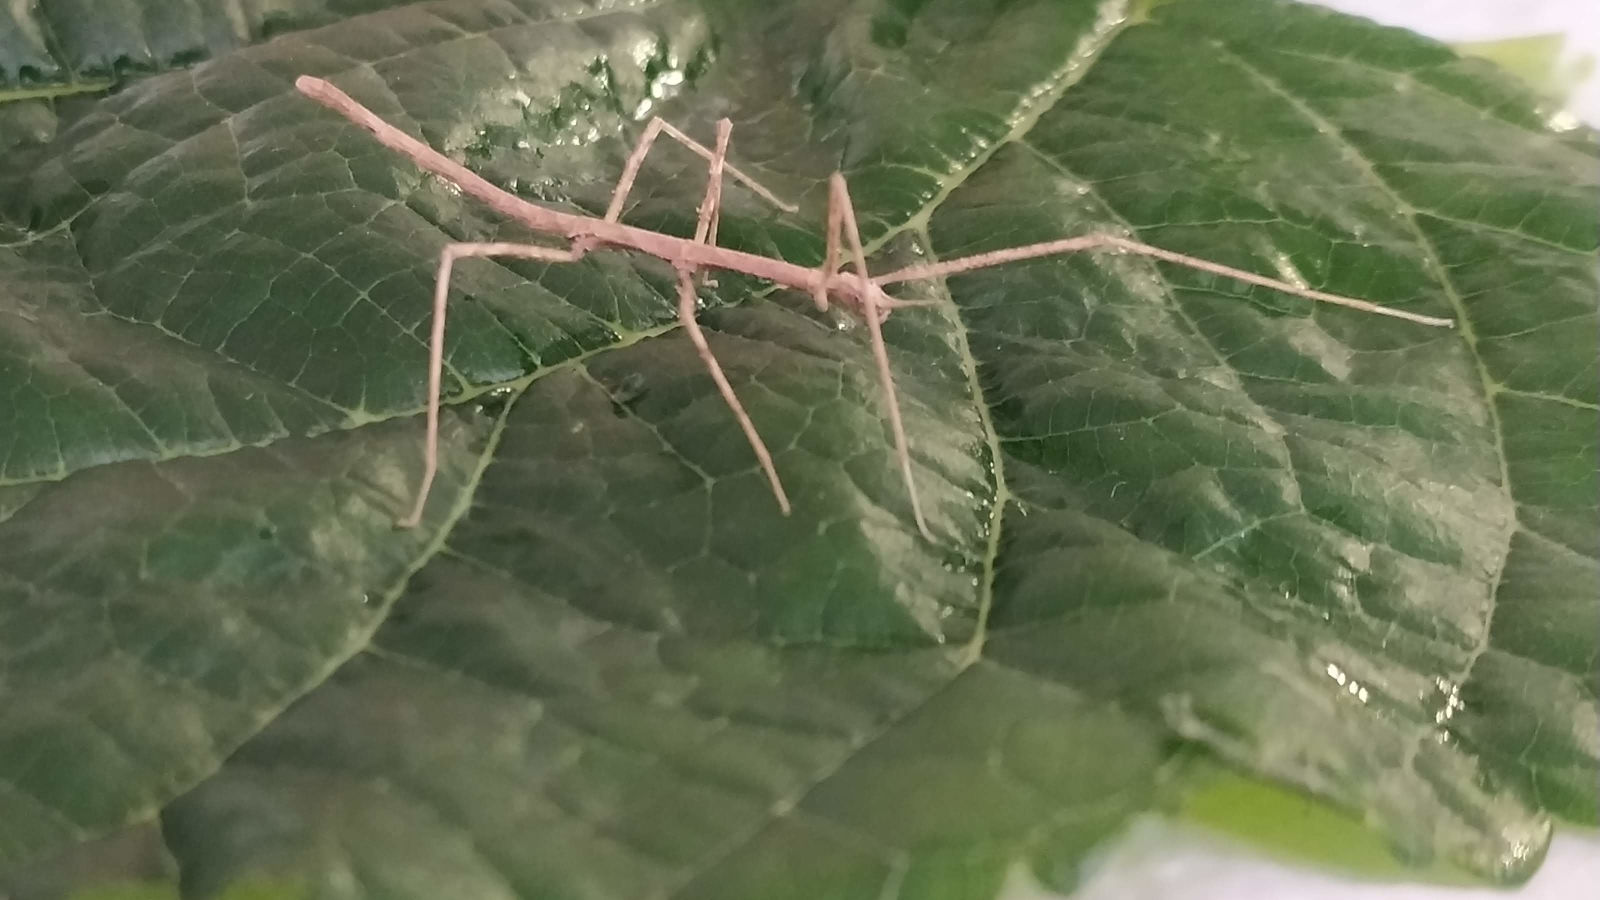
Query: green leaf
{"points": [[58, 46], [130, 864], [1351, 555]]}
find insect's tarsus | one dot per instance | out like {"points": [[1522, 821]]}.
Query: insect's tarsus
{"points": [[858, 290]]}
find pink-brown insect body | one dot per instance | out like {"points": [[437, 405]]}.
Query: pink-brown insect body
{"points": [[860, 292], [594, 232]]}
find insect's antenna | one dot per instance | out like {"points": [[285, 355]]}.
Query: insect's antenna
{"points": [[659, 126], [1116, 242], [839, 196]]}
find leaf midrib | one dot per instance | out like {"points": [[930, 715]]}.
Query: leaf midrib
{"points": [[1107, 27], [1111, 19]]}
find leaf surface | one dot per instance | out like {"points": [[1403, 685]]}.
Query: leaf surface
{"points": [[1349, 554], [54, 43]]}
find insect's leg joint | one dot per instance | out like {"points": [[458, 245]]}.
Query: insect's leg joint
{"points": [[819, 289]]}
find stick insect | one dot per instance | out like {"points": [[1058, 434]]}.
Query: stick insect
{"points": [[861, 293]]}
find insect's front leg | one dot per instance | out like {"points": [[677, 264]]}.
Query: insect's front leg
{"points": [[1118, 244], [441, 295]]}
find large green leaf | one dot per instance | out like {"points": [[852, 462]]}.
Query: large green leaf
{"points": [[1345, 553], [48, 47]]}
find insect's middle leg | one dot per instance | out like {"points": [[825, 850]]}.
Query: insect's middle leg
{"points": [[830, 257], [441, 294]]}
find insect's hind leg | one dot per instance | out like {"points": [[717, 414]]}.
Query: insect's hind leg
{"points": [[441, 294], [873, 310]]}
